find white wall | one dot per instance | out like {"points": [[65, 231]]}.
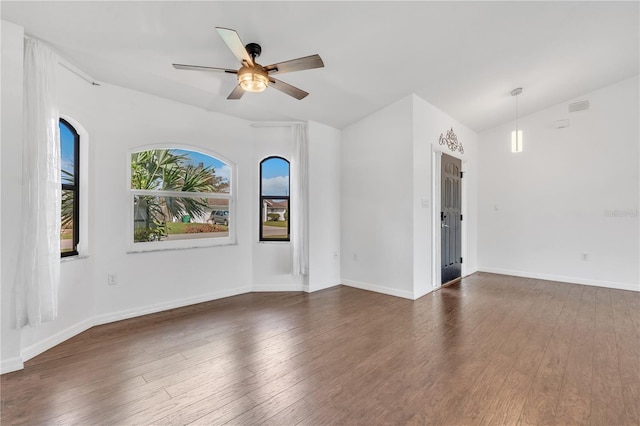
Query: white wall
{"points": [[11, 178], [324, 206], [387, 201], [376, 201], [571, 191]]}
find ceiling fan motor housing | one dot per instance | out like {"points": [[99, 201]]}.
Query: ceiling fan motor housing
{"points": [[254, 50]]}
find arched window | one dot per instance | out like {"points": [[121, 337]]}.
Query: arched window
{"points": [[70, 174], [274, 199], [180, 198]]}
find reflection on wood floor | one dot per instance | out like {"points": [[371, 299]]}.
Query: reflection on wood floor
{"points": [[489, 350]]}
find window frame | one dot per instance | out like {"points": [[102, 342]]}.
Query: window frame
{"points": [[277, 197], [138, 247], [75, 188]]}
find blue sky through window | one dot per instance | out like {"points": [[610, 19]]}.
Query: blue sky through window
{"points": [[66, 149], [195, 158], [275, 177]]}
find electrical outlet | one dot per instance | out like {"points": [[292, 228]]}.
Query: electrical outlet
{"points": [[112, 279], [585, 256], [355, 257]]}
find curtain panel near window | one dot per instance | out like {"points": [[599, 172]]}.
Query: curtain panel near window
{"points": [[300, 201], [38, 274]]}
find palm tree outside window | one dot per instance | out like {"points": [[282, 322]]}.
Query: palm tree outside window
{"points": [[178, 194]]}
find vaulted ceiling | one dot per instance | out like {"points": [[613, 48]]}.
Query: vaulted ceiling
{"points": [[462, 57]]}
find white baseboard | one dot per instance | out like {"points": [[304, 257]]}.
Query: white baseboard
{"points": [[36, 349], [262, 288], [152, 309], [55, 339], [17, 363], [378, 289], [327, 284], [11, 364], [423, 293], [560, 278]]}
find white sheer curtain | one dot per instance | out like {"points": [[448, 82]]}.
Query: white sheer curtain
{"points": [[38, 276], [299, 201]]}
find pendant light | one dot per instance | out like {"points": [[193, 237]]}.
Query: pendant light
{"points": [[516, 135]]}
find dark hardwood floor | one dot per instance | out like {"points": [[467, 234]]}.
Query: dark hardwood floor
{"points": [[488, 350]]}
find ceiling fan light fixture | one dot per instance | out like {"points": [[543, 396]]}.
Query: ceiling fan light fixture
{"points": [[253, 79]]}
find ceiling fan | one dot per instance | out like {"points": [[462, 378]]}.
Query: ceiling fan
{"points": [[253, 77]]}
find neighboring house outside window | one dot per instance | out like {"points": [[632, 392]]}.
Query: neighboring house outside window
{"points": [[274, 199], [180, 198], [70, 176], [271, 208]]}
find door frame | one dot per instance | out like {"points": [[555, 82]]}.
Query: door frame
{"points": [[436, 193]]}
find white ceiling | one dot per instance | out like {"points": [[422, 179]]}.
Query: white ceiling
{"points": [[462, 57]]}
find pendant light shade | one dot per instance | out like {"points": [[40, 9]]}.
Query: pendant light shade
{"points": [[516, 141], [516, 135]]}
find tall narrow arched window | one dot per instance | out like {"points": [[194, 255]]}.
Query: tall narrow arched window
{"points": [[274, 199], [70, 174]]}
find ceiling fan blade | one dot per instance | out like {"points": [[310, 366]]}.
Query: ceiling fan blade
{"points": [[233, 42], [306, 63], [287, 88], [203, 68], [236, 93]]}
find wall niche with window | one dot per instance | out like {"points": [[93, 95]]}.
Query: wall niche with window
{"points": [[180, 198], [274, 199]]}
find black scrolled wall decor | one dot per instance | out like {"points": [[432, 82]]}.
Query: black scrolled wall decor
{"points": [[451, 140]]}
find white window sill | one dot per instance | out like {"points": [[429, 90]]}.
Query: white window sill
{"points": [[73, 258], [135, 250]]}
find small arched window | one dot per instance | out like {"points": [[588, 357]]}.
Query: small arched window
{"points": [[181, 198], [274, 199], [70, 174]]}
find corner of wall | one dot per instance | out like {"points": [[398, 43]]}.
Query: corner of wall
{"points": [[325, 220], [12, 40], [11, 364]]}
